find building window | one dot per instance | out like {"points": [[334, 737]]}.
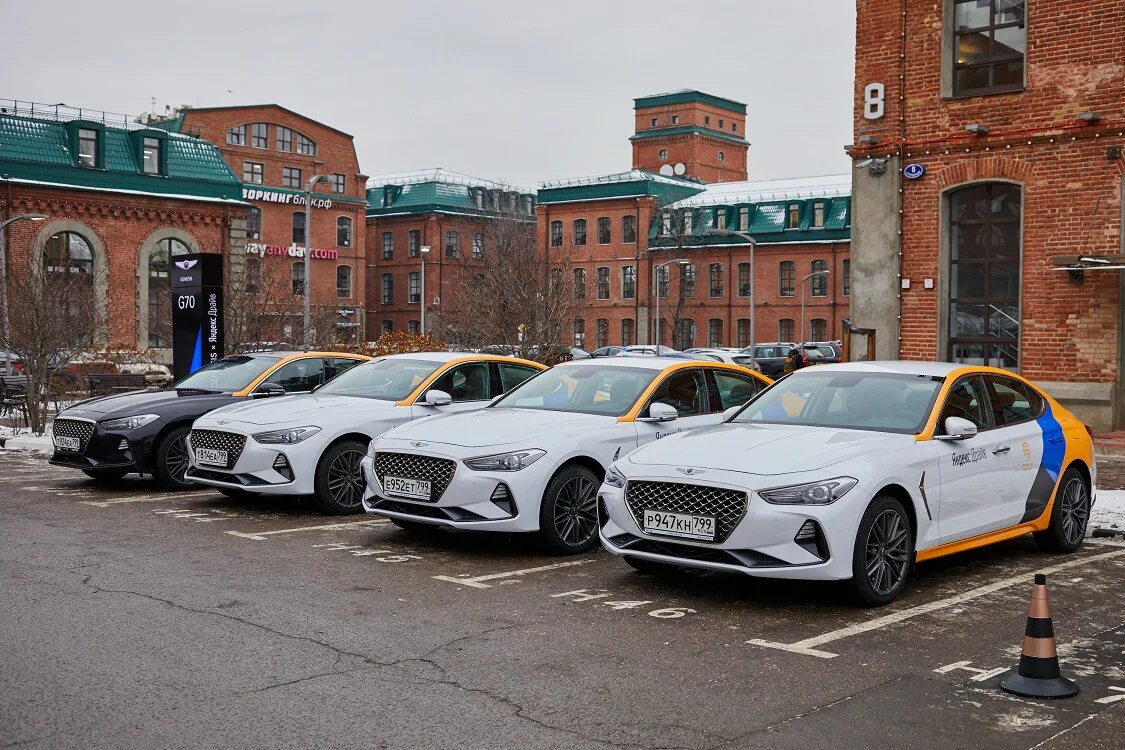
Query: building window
{"points": [[452, 244], [299, 227], [793, 216], [253, 171], [785, 329], [685, 334], [817, 216], [629, 282], [343, 282], [652, 122], [665, 223], [601, 333], [160, 291], [744, 286], [628, 332], [819, 283], [388, 290], [556, 233], [414, 243], [414, 326], [846, 279], [414, 287], [579, 232], [260, 135], [629, 229], [984, 274], [253, 223], [734, 127], [339, 183], [662, 282], [603, 283], [87, 147], [715, 274], [291, 177], [284, 139], [715, 332], [722, 157], [151, 155], [605, 234], [305, 145], [343, 231], [663, 154], [253, 275], [579, 283], [721, 123], [989, 45], [706, 119], [675, 119], [687, 279], [687, 220], [743, 332], [297, 277], [387, 325], [388, 245], [478, 245], [786, 278], [236, 136], [743, 218], [580, 333], [818, 329], [720, 220], [478, 197]]}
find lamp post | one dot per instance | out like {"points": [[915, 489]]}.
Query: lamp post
{"points": [[307, 337], [804, 286], [753, 246], [423, 251], [4, 279], [656, 319]]}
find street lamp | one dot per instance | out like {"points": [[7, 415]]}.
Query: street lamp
{"points": [[804, 286], [4, 278], [753, 246], [656, 320], [423, 251], [308, 256]]}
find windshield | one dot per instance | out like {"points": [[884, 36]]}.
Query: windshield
{"points": [[886, 402], [228, 374], [587, 389], [389, 379]]}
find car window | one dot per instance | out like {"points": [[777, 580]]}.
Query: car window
{"points": [[387, 379], [512, 375], [685, 391], [1013, 402], [343, 364], [467, 382], [300, 375], [966, 399], [735, 389], [228, 374]]}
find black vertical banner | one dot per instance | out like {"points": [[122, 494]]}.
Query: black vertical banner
{"points": [[197, 311]]}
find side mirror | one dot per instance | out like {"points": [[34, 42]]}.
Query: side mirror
{"points": [[435, 397], [727, 414], [266, 390], [660, 413], [957, 428]]}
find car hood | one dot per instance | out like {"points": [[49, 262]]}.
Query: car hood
{"points": [[136, 402], [304, 409], [765, 449], [504, 426]]}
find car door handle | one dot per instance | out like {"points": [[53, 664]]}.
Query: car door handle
{"points": [[1002, 449]]}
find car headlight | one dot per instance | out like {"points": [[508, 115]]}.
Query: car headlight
{"points": [[614, 478], [513, 461], [130, 423], [287, 436], [813, 493]]}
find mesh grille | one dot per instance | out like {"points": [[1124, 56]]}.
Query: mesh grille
{"points": [[75, 428], [438, 471], [727, 506], [218, 440]]}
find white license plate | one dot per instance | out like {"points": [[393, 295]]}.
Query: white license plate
{"points": [[209, 457], [419, 489], [67, 443], [680, 524]]}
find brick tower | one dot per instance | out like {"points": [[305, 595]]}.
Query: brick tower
{"points": [[705, 134]]}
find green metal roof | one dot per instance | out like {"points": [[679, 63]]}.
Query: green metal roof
{"points": [[433, 190], [687, 129], [634, 184], [686, 96]]}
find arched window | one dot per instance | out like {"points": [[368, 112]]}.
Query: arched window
{"points": [[715, 275], [69, 252], [819, 283], [160, 291], [818, 329], [685, 334], [299, 228], [253, 223], [786, 278], [297, 277], [786, 330], [343, 232]]}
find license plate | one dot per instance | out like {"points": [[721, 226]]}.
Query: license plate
{"points": [[419, 489], [680, 524], [67, 443], [209, 457]]}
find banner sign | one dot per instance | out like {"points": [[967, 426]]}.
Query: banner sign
{"points": [[276, 196], [293, 251], [197, 311]]}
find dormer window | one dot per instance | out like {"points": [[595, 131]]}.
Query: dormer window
{"points": [[478, 196], [151, 155], [793, 216], [87, 148], [388, 196]]}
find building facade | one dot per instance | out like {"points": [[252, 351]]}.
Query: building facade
{"points": [[690, 134], [988, 189]]}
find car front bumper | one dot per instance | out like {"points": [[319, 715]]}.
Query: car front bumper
{"points": [[266, 469], [108, 451]]}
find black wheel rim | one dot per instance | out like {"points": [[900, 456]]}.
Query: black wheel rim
{"points": [[177, 459], [345, 479], [1075, 510], [888, 551], [576, 511]]}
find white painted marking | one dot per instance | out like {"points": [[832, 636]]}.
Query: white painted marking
{"points": [[146, 498], [979, 675], [1113, 698], [583, 595], [263, 535], [808, 645], [479, 581]]}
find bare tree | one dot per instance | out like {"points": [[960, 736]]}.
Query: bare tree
{"points": [[265, 306]]}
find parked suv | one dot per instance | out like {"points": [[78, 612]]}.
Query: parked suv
{"points": [[770, 356]]}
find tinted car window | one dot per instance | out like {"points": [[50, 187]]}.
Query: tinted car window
{"points": [[390, 379], [735, 389], [467, 382], [229, 374], [300, 375], [585, 389], [966, 399], [1013, 402], [343, 364], [685, 391], [513, 375]]}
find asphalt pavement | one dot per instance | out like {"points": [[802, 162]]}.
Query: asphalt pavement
{"points": [[135, 618]]}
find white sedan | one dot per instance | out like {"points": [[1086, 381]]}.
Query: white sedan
{"points": [[857, 471], [313, 444], [533, 460]]}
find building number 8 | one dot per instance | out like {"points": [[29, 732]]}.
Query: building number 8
{"points": [[873, 101]]}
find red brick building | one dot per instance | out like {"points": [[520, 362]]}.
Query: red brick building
{"points": [[691, 134], [1008, 120]]}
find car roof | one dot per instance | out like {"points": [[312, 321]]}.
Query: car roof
{"points": [[900, 367], [646, 363]]}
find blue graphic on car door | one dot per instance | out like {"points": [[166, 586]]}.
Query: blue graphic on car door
{"points": [[1047, 475]]}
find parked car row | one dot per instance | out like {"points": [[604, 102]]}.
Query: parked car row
{"points": [[849, 472]]}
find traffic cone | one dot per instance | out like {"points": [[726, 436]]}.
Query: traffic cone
{"points": [[1038, 675]]}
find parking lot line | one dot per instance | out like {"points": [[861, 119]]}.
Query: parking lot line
{"points": [[146, 498], [262, 535], [808, 646], [478, 582]]}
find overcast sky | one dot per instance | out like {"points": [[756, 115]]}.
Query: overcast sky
{"points": [[516, 91]]}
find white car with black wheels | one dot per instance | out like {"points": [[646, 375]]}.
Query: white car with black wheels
{"points": [[313, 444], [855, 472], [532, 461]]}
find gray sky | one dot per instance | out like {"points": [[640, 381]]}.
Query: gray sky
{"points": [[522, 91]]}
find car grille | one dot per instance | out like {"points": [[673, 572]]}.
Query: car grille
{"points": [[218, 440], [75, 428], [438, 471], [727, 506]]}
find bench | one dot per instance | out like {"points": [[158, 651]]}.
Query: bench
{"points": [[13, 395], [108, 383]]}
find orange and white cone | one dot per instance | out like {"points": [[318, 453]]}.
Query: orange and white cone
{"points": [[1038, 675]]}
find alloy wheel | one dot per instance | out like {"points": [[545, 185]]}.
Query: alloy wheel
{"points": [[1075, 510], [888, 551], [345, 479], [576, 510], [177, 459]]}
